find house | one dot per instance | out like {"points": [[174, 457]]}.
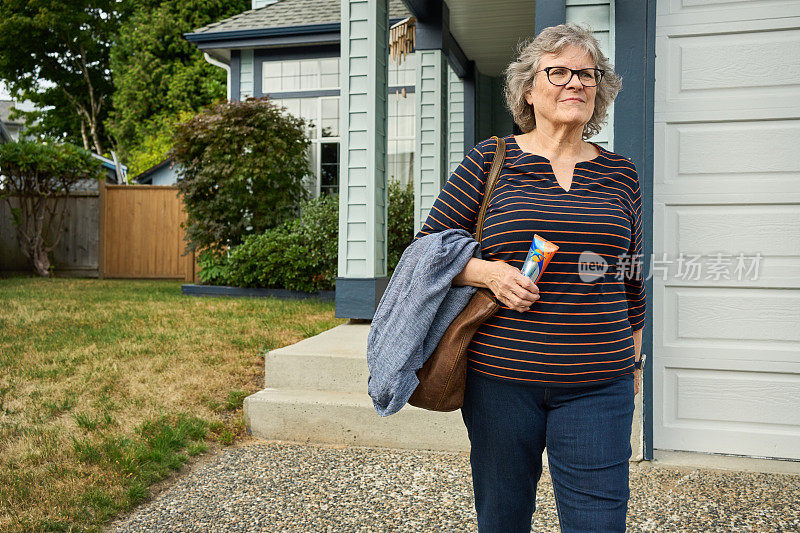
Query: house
{"points": [[709, 130], [163, 173], [5, 134], [9, 128], [115, 171], [301, 72]]}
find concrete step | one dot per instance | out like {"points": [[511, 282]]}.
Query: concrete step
{"points": [[334, 360], [349, 419], [316, 391], [320, 372]]}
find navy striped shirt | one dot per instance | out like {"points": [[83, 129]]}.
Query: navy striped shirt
{"points": [[579, 331]]}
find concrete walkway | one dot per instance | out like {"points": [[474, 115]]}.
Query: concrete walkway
{"points": [[278, 486]]}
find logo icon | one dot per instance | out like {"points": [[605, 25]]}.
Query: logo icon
{"points": [[591, 267]]}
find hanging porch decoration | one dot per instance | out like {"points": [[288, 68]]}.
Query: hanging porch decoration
{"points": [[401, 43]]}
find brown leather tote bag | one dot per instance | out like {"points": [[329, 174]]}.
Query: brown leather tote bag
{"points": [[443, 376]]}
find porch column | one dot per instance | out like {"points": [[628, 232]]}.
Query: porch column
{"points": [[455, 121], [430, 150], [548, 14], [362, 177]]}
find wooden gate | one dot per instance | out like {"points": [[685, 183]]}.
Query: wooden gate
{"points": [[141, 234]]}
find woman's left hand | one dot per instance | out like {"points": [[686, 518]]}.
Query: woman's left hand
{"points": [[637, 373]]}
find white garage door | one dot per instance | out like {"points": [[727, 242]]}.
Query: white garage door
{"points": [[727, 181]]}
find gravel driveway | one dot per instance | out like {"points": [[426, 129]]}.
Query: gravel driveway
{"points": [[275, 486]]}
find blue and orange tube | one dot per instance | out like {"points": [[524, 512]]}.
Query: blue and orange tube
{"points": [[539, 256]]}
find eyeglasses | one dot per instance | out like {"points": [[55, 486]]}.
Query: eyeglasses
{"points": [[589, 77]]}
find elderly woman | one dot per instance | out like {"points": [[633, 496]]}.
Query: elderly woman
{"points": [[557, 366]]}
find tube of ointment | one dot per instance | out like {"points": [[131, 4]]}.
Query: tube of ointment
{"points": [[538, 257]]}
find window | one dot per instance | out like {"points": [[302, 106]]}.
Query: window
{"points": [[329, 72], [330, 117], [299, 74], [322, 127], [400, 157], [329, 167], [322, 116], [403, 74]]}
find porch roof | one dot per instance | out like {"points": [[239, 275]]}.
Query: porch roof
{"points": [[487, 32], [287, 14]]}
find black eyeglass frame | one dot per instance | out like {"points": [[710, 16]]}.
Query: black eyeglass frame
{"points": [[573, 72]]}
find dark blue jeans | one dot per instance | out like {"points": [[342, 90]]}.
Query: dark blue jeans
{"points": [[587, 434]]}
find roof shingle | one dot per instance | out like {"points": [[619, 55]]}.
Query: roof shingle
{"points": [[292, 13]]}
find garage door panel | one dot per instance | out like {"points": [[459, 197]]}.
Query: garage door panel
{"points": [[763, 109], [749, 69], [745, 64], [684, 12], [768, 444], [732, 314], [703, 163], [770, 229], [742, 358], [704, 328], [750, 399], [732, 150], [751, 413], [727, 245], [774, 272]]}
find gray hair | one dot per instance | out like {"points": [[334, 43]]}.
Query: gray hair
{"points": [[520, 74]]}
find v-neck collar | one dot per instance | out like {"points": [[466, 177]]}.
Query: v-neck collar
{"points": [[552, 175]]}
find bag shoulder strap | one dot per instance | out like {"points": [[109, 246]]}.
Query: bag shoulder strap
{"points": [[491, 181]]}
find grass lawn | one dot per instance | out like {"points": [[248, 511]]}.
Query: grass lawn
{"points": [[108, 386]]}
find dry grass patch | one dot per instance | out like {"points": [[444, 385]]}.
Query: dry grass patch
{"points": [[108, 386]]}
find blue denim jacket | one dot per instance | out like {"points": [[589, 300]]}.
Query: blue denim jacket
{"points": [[414, 312]]}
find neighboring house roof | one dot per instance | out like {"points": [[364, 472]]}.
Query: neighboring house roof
{"points": [[146, 176], [110, 167], [109, 171], [292, 13]]}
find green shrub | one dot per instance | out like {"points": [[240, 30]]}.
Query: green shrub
{"points": [[213, 267], [401, 222], [242, 167], [258, 261], [302, 253]]}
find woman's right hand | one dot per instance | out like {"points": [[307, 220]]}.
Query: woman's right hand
{"points": [[510, 286]]}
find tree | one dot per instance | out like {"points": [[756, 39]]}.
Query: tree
{"points": [[158, 74], [56, 54], [155, 142], [36, 185], [242, 170]]}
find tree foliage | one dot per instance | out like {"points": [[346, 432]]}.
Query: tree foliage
{"points": [[37, 182], [242, 166], [56, 54], [155, 142], [158, 74], [60, 55]]}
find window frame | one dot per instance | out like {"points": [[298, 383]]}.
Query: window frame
{"points": [[319, 94]]}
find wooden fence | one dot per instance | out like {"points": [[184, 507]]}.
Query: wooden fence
{"points": [[76, 253], [141, 234]]}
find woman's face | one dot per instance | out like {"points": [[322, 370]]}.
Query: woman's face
{"points": [[571, 104]]}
